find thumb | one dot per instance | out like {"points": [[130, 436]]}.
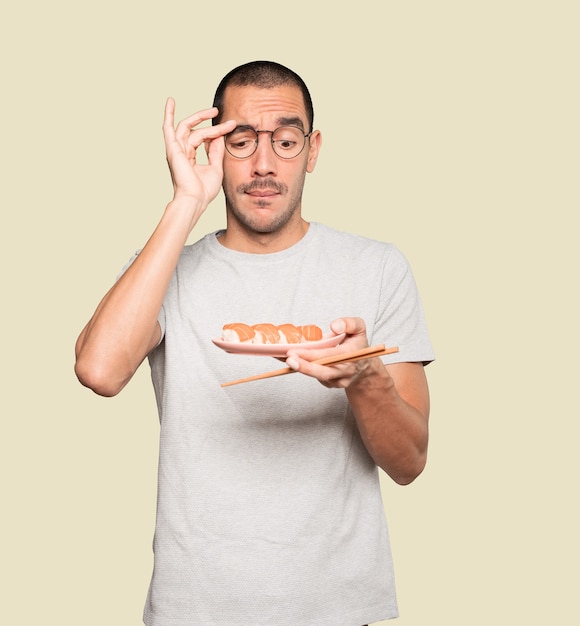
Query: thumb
{"points": [[215, 150], [348, 325], [338, 326]]}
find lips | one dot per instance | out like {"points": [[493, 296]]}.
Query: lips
{"points": [[265, 193]]}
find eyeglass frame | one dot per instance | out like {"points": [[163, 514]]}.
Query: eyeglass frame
{"points": [[246, 127]]}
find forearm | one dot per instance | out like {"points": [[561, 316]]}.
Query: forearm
{"points": [[394, 431], [123, 328]]}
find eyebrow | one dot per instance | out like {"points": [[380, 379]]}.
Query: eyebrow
{"points": [[281, 121], [290, 121]]}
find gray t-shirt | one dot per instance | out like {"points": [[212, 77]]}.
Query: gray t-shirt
{"points": [[269, 508]]}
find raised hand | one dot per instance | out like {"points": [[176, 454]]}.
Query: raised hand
{"points": [[200, 182]]}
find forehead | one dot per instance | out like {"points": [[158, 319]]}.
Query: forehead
{"points": [[257, 107]]}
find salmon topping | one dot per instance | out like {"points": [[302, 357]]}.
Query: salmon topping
{"points": [[238, 332], [311, 332], [271, 334], [290, 333]]}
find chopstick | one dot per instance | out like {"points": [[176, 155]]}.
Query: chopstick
{"points": [[345, 357]]}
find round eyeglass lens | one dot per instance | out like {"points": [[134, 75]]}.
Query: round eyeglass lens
{"points": [[287, 141]]}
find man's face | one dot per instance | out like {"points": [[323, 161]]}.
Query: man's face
{"points": [[263, 191]]}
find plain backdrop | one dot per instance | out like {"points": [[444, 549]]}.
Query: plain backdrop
{"points": [[450, 128]]}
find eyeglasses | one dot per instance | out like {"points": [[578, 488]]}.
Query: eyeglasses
{"points": [[287, 141]]}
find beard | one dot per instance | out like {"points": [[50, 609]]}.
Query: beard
{"points": [[262, 224]]}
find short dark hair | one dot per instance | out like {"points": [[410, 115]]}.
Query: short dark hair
{"points": [[263, 74]]}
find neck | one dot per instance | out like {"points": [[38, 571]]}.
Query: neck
{"points": [[237, 237]]}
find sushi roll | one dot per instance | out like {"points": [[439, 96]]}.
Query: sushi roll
{"points": [[289, 334], [266, 333], [238, 332], [311, 332], [270, 334]]}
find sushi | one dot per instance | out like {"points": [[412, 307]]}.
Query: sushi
{"points": [[238, 332], [270, 333], [266, 333]]}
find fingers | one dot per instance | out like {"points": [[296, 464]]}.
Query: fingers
{"points": [[169, 112], [338, 375], [353, 327], [207, 134], [184, 139], [187, 126], [189, 122], [349, 325]]}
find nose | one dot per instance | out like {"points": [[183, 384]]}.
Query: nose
{"points": [[264, 158]]}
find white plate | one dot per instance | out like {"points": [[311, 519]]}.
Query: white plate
{"points": [[276, 349]]}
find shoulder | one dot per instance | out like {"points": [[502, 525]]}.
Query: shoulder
{"points": [[203, 250], [204, 244], [355, 244]]}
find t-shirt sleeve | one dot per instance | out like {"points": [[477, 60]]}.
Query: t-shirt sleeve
{"points": [[401, 319]]}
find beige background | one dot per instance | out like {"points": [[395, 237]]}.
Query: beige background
{"points": [[452, 129]]}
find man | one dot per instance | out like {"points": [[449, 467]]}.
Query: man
{"points": [[269, 509]]}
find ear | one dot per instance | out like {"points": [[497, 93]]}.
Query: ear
{"points": [[315, 142]]}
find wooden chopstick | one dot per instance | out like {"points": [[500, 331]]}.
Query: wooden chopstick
{"points": [[345, 357]]}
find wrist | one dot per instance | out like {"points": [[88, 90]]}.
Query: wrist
{"points": [[185, 208], [186, 202], [370, 374]]}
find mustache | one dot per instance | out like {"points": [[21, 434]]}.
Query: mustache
{"points": [[258, 185]]}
